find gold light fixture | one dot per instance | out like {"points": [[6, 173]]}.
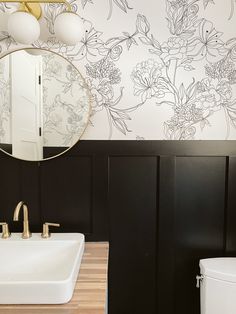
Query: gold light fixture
{"points": [[33, 6], [24, 27]]}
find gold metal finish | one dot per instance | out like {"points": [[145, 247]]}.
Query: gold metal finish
{"points": [[5, 230], [33, 6], [26, 232], [36, 1], [46, 234]]}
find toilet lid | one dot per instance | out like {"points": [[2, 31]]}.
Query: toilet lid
{"points": [[219, 268]]}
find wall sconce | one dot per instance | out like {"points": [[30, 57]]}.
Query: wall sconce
{"points": [[24, 27]]}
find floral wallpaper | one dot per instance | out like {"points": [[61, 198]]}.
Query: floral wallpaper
{"points": [[160, 69], [65, 102]]}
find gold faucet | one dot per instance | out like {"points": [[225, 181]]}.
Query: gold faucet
{"points": [[26, 232], [5, 230], [46, 234]]}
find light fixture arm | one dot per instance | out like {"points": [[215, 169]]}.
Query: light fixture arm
{"points": [[33, 6], [39, 1]]}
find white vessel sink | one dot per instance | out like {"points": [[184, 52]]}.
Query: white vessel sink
{"points": [[39, 271]]}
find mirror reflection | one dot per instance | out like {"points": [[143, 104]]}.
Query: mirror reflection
{"points": [[44, 104]]}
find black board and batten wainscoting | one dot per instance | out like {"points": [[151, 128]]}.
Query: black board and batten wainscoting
{"points": [[163, 205]]}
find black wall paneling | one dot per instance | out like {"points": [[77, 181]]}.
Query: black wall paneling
{"points": [[163, 205], [67, 195], [17, 180], [10, 174], [133, 210], [199, 222], [166, 236], [100, 216], [231, 207]]}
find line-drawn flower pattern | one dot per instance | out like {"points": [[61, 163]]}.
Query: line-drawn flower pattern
{"points": [[148, 80], [121, 4], [65, 111], [181, 17], [65, 102], [232, 9], [208, 43], [189, 74]]}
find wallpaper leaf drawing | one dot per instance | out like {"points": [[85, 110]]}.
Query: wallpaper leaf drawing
{"points": [[168, 73], [233, 2], [4, 7], [84, 2], [121, 4], [206, 2]]}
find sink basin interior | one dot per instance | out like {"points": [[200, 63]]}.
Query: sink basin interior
{"points": [[38, 264], [35, 260]]}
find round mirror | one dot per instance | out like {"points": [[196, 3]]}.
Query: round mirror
{"points": [[44, 104]]}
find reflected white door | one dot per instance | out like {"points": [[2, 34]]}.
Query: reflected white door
{"points": [[26, 93]]}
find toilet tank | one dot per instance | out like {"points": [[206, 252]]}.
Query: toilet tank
{"points": [[218, 286]]}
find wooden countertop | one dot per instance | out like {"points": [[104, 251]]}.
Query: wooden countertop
{"points": [[90, 292]]}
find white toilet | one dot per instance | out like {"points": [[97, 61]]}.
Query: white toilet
{"points": [[218, 285]]}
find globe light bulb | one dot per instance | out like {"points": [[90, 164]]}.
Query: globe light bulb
{"points": [[23, 27], [69, 28]]}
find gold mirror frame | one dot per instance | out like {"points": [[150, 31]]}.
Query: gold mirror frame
{"points": [[89, 102]]}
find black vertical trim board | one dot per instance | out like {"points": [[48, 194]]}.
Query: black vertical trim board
{"points": [[163, 205], [158, 162], [199, 223], [100, 216], [166, 238], [231, 216], [132, 203], [226, 204]]}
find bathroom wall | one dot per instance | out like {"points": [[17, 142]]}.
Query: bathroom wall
{"points": [[157, 70], [162, 205], [162, 69]]}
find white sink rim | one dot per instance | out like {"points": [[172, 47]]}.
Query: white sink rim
{"points": [[67, 284]]}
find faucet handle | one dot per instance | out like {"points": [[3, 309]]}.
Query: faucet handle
{"points": [[5, 230], [46, 234]]}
